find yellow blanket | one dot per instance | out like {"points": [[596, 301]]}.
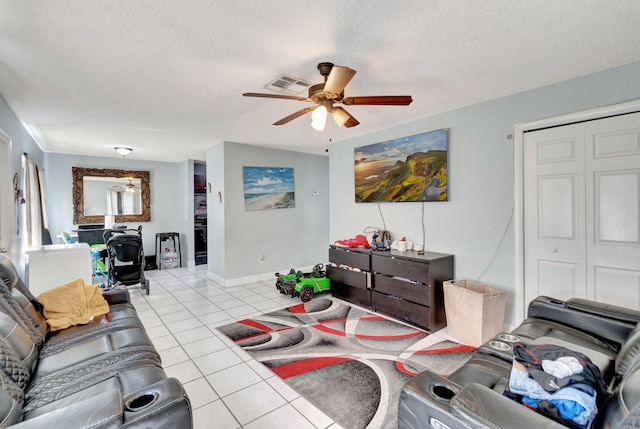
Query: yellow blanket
{"points": [[71, 304]]}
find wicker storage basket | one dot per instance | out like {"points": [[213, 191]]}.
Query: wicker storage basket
{"points": [[475, 312]]}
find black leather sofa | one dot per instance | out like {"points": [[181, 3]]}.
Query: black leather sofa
{"points": [[105, 374], [472, 397]]}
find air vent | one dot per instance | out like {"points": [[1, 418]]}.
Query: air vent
{"points": [[288, 84]]}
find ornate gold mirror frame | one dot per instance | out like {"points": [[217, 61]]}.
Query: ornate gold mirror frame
{"points": [[78, 173]]}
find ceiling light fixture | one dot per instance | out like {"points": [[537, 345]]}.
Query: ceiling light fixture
{"points": [[340, 116], [124, 151], [131, 188], [319, 118]]}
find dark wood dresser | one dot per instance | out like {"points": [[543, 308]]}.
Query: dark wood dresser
{"points": [[403, 285]]}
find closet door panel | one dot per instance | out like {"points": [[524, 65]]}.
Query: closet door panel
{"points": [[618, 287], [612, 147], [554, 213]]}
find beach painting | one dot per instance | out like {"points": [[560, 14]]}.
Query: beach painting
{"points": [[268, 188], [413, 168]]}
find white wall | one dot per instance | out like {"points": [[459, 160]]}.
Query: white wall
{"points": [[167, 193], [185, 185], [296, 237], [21, 142], [481, 170], [216, 257]]}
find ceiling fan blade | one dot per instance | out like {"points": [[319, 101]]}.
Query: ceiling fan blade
{"points": [[343, 118], [338, 78], [378, 100], [286, 97], [295, 115]]}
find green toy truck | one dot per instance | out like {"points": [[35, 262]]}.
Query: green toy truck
{"points": [[304, 285]]}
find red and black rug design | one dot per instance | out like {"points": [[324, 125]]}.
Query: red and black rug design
{"points": [[348, 362]]}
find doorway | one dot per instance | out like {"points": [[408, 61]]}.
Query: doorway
{"points": [[200, 212], [6, 195]]}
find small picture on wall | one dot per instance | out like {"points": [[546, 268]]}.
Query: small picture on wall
{"points": [[268, 188], [413, 168]]}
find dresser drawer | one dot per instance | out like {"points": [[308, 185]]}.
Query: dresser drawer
{"points": [[361, 297], [414, 292], [399, 308], [355, 279], [350, 258], [408, 269]]}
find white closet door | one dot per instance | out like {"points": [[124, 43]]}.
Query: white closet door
{"points": [[582, 211], [613, 210], [554, 213]]}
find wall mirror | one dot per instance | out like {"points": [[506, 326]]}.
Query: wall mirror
{"points": [[101, 192]]}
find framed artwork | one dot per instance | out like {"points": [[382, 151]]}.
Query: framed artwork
{"points": [[268, 188], [407, 169]]}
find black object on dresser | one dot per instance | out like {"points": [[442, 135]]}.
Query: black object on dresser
{"points": [[403, 285]]}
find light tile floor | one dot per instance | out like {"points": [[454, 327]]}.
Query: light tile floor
{"points": [[228, 389]]}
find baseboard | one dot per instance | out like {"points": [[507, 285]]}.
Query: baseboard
{"points": [[240, 281]]}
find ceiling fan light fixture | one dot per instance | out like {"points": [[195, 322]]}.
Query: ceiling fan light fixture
{"points": [[340, 116], [130, 188], [124, 151], [319, 118]]}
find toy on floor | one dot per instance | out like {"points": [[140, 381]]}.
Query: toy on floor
{"points": [[304, 285]]}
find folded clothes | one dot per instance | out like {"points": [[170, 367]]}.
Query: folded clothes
{"points": [[562, 367], [532, 356], [576, 402]]}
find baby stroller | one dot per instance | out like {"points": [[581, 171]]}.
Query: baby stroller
{"points": [[125, 258]]}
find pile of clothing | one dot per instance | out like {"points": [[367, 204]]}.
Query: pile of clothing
{"points": [[557, 382], [357, 241]]}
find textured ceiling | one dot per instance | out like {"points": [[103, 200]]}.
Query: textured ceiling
{"points": [[166, 77]]}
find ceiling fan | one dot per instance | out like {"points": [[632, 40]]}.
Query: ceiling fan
{"points": [[129, 187], [324, 95]]}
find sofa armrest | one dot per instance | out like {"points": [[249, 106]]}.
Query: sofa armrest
{"points": [[101, 411], [424, 403], [480, 407], [605, 321], [162, 404], [116, 296]]}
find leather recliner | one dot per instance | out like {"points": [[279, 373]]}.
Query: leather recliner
{"points": [[106, 374], [472, 396]]}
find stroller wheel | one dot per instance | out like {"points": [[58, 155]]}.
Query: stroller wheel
{"points": [[146, 285]]}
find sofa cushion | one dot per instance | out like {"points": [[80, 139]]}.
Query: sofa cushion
{"points": [[489, 371], [18, 341], [10, 409], [13, 369], [11, 307], [37, 319], [86, 375], [102, 345]]}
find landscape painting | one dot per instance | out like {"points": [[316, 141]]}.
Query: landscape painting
{"points": [[407, 169], [268, 188]]}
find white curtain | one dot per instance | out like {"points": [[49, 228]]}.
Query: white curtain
{"points": [[36, 217], [112, 202]]}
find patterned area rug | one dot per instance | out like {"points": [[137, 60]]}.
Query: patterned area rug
{"points": [[348, 362]]}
